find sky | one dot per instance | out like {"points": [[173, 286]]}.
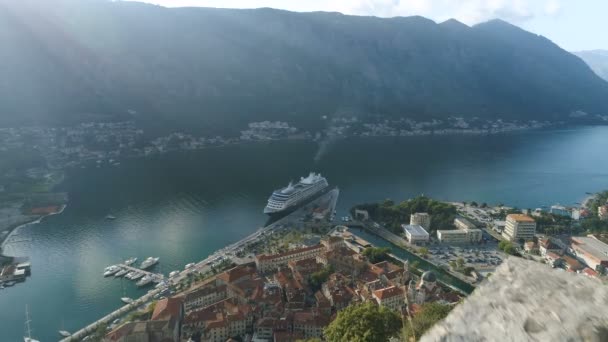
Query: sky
{"points": [[572, 24]]}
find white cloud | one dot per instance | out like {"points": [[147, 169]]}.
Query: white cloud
{"points": [[468, 11]]}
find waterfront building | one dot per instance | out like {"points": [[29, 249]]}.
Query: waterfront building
{"points": [[591, 251], [421, 219], [415, 234], [266, 263], [559, 210], [519, 226], [204, 296]]}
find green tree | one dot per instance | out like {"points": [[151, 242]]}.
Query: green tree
{"points": [[460, 262], [363, 323], [424, 252], [429, 314], [376, 254], [318, 278]]}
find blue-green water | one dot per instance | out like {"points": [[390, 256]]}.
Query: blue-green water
{"points": [[183, 206]]}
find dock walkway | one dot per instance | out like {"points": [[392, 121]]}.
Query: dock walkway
{"points": [[146, 273]]}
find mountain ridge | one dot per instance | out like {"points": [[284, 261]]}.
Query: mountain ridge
{"points": [[218, 69]]}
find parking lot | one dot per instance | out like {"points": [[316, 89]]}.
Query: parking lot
{"points": [[484, 258]]}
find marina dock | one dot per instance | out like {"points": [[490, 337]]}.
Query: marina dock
{"points": [[158, 276]]}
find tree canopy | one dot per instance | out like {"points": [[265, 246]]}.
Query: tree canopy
{"points": [[363, 323], [429, 314], [376, 254], [394, 215]]}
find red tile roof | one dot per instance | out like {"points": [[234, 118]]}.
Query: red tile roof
{"points": [[167, 308], [388, 292]]}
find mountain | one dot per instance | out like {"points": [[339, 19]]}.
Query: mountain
{"points": [[597, 60], [215, 70]]}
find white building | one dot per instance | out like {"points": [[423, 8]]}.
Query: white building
{"points": [[462, 223], [466, 233], [421, 219], [459, 236], [415, 234], [519, 226]]}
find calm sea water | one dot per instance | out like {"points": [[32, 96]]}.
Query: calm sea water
{"points": [[183, 206]]}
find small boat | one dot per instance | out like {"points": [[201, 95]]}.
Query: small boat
{"points": [[64, 332], [131, 261], [28, 338], [173, 274], [126, 300], [130, 275], [110, 217], [121, 273], [190, 265]]}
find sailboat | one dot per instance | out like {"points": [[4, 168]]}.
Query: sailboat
{"points": [[63, 332], [28, 329], [125, 299]]}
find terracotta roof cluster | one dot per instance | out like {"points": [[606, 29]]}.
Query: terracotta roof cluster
{"points": [[219, 314], [236, 274]]}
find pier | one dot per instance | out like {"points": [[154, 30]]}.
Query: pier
{"points": [[158, 276]]}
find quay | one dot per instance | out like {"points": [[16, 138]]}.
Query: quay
{"points": [[91, 328]]}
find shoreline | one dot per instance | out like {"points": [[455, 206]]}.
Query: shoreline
{"points": [[35, 220]]}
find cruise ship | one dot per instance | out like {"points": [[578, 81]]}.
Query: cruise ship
{"points": [[293, 195]]}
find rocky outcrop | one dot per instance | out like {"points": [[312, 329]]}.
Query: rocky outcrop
{"points": [[527, 301]]}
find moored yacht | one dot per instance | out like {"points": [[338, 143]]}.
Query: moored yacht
{"points": [[110, 270], [149, 262], [137, 275], [130, 261], [121, 273], [145, 281]]}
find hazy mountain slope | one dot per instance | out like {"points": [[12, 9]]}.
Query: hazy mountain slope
{"points": [[216, 70], [597, 60]]}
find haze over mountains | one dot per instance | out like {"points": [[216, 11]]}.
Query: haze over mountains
{"points": [[597, 60], [215, 70]]}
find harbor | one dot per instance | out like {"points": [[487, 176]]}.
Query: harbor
{"points": [[327, 200], [198, 209]]}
